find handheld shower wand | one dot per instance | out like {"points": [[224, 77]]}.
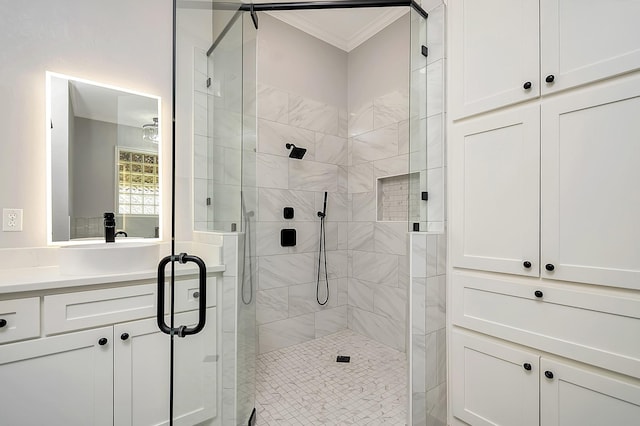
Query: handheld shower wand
{"points": [[322, 251], [323, 213]]}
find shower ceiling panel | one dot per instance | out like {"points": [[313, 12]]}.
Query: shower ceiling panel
{"points": [[345, 29]]}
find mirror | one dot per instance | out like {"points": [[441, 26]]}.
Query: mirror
{"points": [[103, 155]]}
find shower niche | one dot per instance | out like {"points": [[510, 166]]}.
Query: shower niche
{"points": [[393, 201]]}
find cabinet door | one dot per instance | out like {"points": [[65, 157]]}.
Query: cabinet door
{"points": [[141, 380], [490, 384], [583, 41], [574, 396], [494, 53], [590, 198], [58, 381], [495, 192]]}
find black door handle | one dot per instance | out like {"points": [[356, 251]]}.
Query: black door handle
{"points": [[183, 330]]}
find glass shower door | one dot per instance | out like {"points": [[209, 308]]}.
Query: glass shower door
{"points": [[208, 322]]}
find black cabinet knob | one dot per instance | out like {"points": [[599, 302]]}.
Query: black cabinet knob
{"points": [[527, 85], [3, 322], [550, 78], [196, 294], [526, 264], [102, 341], [527, 366], [538, 293], [549, 267], [548, 374], [124, 336]]}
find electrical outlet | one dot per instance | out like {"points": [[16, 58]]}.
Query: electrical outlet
{"points": [[12, 220]]}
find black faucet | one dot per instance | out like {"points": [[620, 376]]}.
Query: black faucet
{"points": [[109, 227]]}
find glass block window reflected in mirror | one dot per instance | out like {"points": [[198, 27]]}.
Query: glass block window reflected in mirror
{"points": [[138, 182]]}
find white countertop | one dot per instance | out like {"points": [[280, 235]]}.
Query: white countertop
{"points": [[49, 277]]}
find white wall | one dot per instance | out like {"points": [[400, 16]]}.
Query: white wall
{"points": [[380, 65], [292, 59], [119, 42]]}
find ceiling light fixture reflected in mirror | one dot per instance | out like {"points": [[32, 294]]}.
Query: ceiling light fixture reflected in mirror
{"points": [[150, 131]]}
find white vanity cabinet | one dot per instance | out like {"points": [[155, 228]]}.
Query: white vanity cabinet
{"points": [[509, 51], [570, 165], [59, 381], [141, 372], [498, 383], [102, 360]]}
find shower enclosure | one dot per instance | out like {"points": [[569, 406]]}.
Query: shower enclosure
{"points": [[234, 116]]}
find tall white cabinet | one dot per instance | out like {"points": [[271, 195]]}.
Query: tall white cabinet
{"points": [[544, 232], [512, 51]]}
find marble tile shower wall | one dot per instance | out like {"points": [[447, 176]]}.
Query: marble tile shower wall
{"points": [[347, 151], [287, 311], [378, 262], [428, 329], [367, 262]]}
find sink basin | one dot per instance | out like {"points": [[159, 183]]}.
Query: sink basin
{"points": [[108, 258]]}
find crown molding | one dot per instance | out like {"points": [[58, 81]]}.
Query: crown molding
{"points": [[301, 21]]}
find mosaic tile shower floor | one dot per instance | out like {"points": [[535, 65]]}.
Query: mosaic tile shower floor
{"points": [[304, 385]]}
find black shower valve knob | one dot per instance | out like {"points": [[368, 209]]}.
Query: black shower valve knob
{"points": [[288, 212]]}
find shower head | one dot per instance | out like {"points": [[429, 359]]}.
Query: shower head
{"points": [[296, 152]]}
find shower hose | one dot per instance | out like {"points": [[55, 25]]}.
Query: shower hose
{"points": [[322, 251]]}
